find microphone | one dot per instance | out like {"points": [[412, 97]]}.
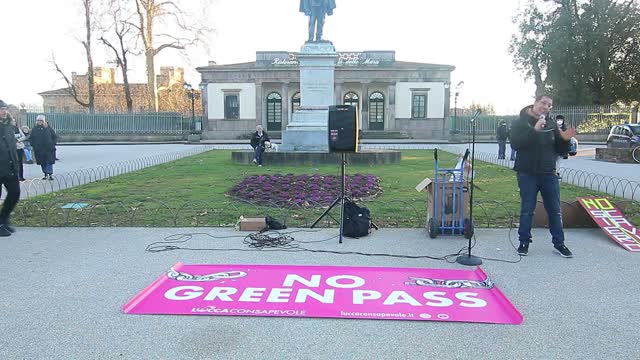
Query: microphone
{"points": [[477, 113]]}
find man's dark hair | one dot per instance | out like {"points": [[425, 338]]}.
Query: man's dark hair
{"points": [[560, 117], [539, 97]]}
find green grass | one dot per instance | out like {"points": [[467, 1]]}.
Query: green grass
{"points": [[191, 192]]}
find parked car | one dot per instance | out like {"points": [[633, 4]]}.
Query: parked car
{"points": [[624, 136]]}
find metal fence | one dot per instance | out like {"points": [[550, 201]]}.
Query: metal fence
{"points": [[587, 119], [594, 119], [114, 124], [485, 125]]}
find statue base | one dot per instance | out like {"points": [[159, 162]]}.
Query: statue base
{"points": [[308, 129]]}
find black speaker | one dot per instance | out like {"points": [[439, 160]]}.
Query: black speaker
{"points": [[343, 128]]}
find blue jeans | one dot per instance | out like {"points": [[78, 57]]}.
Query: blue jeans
{"points": [[549, 188], [27, 154], [258, 151], [47, 168], [502, 148]]}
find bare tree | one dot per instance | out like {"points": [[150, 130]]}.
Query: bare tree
{"points": [[122, 30], [87, 6], [71, 87], [181, 29]]}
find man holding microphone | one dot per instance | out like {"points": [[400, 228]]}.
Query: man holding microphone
{"points": [[539, 144]]}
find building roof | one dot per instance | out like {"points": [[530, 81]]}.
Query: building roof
{"points": [[62, 91]]}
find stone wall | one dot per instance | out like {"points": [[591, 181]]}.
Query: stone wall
{"points": [[614, 155]]}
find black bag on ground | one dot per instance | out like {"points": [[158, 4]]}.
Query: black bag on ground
{"points": [[356, 221]]}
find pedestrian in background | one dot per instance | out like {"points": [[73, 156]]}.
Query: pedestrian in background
{"points": [[502, 134], [43, 140], [28, 150], [20, 138]]}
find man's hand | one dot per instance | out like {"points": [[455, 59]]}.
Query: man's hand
{"points": [[568, 134], [540, 124]]}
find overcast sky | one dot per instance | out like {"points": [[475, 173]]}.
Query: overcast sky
{"points": [[472, 35]]}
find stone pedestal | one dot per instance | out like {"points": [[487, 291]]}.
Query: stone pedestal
{"points": [[308, 128]]}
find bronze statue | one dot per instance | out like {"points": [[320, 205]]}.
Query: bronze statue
{"points": [[316, 10]]}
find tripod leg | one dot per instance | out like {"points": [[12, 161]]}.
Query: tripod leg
{"points": [[335, 202]]}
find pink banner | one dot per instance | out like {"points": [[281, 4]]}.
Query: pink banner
{"points": [[613, 222], [326, 292]]}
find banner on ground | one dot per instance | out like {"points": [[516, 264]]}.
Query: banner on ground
{"points": [[613, 222], [326, 292]]}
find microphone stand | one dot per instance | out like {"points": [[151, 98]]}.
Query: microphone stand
{"points": [[468, 259]]}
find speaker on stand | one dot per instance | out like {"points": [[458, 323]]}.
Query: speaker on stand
{"points": [[343, 138]]}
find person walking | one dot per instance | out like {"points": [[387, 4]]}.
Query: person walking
{"points": [[8, 170], [43, 140], [28, 150], [539, 144], [502, 134], [20, 138]]}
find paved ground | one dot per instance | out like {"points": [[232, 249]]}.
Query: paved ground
{"points": [[62, 290]]}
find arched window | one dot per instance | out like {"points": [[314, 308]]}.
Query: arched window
{"points": [[295, 102], [376, 111], [274, 112], [352, 98]]}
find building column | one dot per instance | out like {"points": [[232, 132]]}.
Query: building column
{"points": [[365, 105], [338, 92], [447, 110], [285, 105], [259, 104], [391, 94], [205, 108]]}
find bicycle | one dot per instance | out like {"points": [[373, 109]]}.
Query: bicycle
{"points": [[635, 153]]}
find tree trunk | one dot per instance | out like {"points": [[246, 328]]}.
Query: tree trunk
{"points": [[87, 45], [151, 80]]}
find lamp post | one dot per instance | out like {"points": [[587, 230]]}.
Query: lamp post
{"points": [[455, 106], [191, 94]]}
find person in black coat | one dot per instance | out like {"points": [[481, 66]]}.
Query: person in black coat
{"points": [[538, 142], [8, 169], [43, 140], [502, 134], [259, 142]]}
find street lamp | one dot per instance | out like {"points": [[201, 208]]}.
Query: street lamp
{"points": [[192, 95], [455, 106]]}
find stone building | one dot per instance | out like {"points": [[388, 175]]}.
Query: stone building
{"points": [[393, 98], [110, 96]]}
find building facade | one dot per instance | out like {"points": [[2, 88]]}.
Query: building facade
{"points": [[110, 95], [392, 97]]}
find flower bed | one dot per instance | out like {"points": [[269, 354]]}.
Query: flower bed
{"points": [[303, 190]]}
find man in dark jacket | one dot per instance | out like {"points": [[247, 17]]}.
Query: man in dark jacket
{"points": [[258, 141], [8, 170], [538, 144], [502, 134]]}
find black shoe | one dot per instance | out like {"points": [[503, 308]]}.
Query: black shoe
{"points": [[45, 177], [523, 249], [50, 177], [10, 228], [4, 231], [22, 179], [563, 251]]}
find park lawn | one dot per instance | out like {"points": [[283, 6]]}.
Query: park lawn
{"points": [[191, 192]]}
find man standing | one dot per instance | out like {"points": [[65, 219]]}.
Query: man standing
{"points": [[43, 141], [502, 134], [8, 169], [316, 10], [538, 145]]}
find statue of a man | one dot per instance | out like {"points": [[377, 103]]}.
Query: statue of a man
{"points": [[316, 10]]}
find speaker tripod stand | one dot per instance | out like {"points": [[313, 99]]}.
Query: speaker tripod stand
{"points": [[340, 199]]}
